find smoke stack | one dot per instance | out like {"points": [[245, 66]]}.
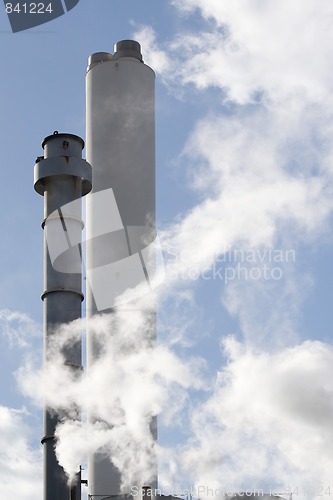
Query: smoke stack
{"points": [[62, 177], [121, 231]]}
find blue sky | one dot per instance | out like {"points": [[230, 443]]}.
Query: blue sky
{"points": [[244, 162]]}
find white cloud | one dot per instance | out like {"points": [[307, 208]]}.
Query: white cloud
{"points": [[18, 328], [20, 461], [262, 167], [281, 49], [267, 422], [256, 191], [155, 57], [265, 185], [269, 310]]}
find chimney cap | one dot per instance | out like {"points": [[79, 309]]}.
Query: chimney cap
{"points": [[56, 135], [99, 57], [127, 48]]}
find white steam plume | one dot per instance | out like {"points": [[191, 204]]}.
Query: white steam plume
{"points": [[132, 381]]}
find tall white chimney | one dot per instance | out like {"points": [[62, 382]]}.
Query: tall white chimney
{"points": [[121, 231]]}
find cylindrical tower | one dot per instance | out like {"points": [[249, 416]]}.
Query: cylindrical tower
{"points": [[62, 177], [121, 208]]}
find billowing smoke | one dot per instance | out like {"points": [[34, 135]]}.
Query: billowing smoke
{"points": [[132, 381]]}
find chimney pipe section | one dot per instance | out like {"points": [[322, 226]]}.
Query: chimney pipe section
{"points": [[120, 96], [62, 177]]}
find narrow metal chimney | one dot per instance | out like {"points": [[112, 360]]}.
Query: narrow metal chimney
{"points": [[62, 177], [120, 94]]}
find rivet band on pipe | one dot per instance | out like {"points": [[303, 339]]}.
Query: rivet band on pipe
{"points": [[57, 290], [47, 438], [63, 216]]}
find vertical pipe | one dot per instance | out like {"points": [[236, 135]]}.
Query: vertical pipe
{"points": [[62, 177], [120, 137]]}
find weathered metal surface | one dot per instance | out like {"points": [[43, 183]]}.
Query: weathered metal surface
{"points": [[62, 180]]}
